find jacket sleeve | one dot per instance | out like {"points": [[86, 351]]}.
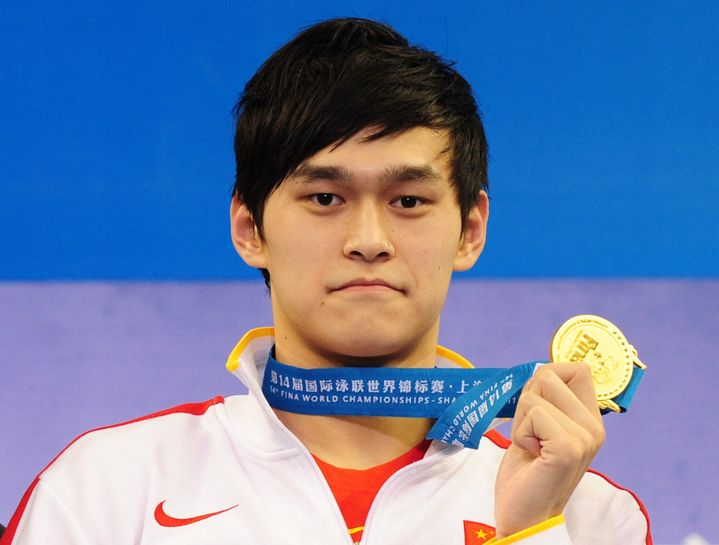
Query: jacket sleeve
{"points": [[632, 529], [600, 511], [550, 532], [42, 518]]}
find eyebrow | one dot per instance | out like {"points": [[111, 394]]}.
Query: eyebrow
{"points": [[396, 174]]}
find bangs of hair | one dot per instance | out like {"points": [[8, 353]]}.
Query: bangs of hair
{"points": [[336, 79]]}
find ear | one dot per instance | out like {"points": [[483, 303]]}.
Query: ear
{"points": [[474, 235], [245, 235]]}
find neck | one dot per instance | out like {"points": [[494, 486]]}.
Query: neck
{"points": [[356, 442]]}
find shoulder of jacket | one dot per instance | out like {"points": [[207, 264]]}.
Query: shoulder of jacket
{"points": [[105, 446]]}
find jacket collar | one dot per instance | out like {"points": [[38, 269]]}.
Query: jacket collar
{"points": [[248, 361], [255, 345]]}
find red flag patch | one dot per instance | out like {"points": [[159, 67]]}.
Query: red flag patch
{"points": [[476, 533]]}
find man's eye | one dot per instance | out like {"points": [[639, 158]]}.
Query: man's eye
{"points": [[325, 199], [407, 202]]}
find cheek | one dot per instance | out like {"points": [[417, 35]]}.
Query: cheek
{"points": [[295, 252], [433, 251], [431, 274]]}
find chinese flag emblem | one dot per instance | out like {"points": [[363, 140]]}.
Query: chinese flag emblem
{"points": [[476, 533]]}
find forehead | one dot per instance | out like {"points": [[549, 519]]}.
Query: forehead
{"points": [[418, 153]]}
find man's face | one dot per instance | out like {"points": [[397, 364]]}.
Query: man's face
{"points": [[360, 242]]}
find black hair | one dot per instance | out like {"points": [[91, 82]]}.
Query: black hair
{"points": [[337, 78]]}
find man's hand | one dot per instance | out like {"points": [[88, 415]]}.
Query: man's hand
{"points": [[556, 433]]}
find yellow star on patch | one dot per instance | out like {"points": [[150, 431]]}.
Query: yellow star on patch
{"points": [[477, 533]]}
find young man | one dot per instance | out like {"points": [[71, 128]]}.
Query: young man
{"points": [[361, 186]]}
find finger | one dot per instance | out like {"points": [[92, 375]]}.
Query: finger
{"points": [[549, 385], [588, 439], [565, 460], [578, 378], [539, 432], [547, 434]]}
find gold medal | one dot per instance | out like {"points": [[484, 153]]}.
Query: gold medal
{"points": [[599, 343]]}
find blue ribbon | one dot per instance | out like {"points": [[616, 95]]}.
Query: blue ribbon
{"points": [[464, 401]]}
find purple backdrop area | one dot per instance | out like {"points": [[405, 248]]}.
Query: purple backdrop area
{"points": [[78, 356]]}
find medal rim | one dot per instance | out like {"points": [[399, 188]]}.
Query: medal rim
{"points": [[623, 347]]}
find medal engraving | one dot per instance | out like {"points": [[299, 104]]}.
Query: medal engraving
{"points": [[599, 343]]}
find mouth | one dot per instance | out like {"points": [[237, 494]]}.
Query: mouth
{"points": [[367, 285]]}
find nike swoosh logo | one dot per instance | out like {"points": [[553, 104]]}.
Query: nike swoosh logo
{"points": [[163, 519]]}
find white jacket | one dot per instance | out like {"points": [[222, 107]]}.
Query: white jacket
{"points": [[228, 472]]}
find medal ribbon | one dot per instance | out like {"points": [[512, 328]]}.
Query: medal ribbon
{"points": [[464, 401]]}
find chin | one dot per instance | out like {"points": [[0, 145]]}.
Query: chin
{"points": [[367, 349]]}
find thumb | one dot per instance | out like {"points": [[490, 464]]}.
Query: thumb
{"points": [[536, 431]]}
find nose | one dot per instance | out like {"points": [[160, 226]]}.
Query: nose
{"points": [[368, 235]]}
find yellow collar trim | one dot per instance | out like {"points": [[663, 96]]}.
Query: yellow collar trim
{"points": [[233, 361]]}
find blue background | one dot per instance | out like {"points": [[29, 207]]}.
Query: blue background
{"points": [[116, 157]]}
